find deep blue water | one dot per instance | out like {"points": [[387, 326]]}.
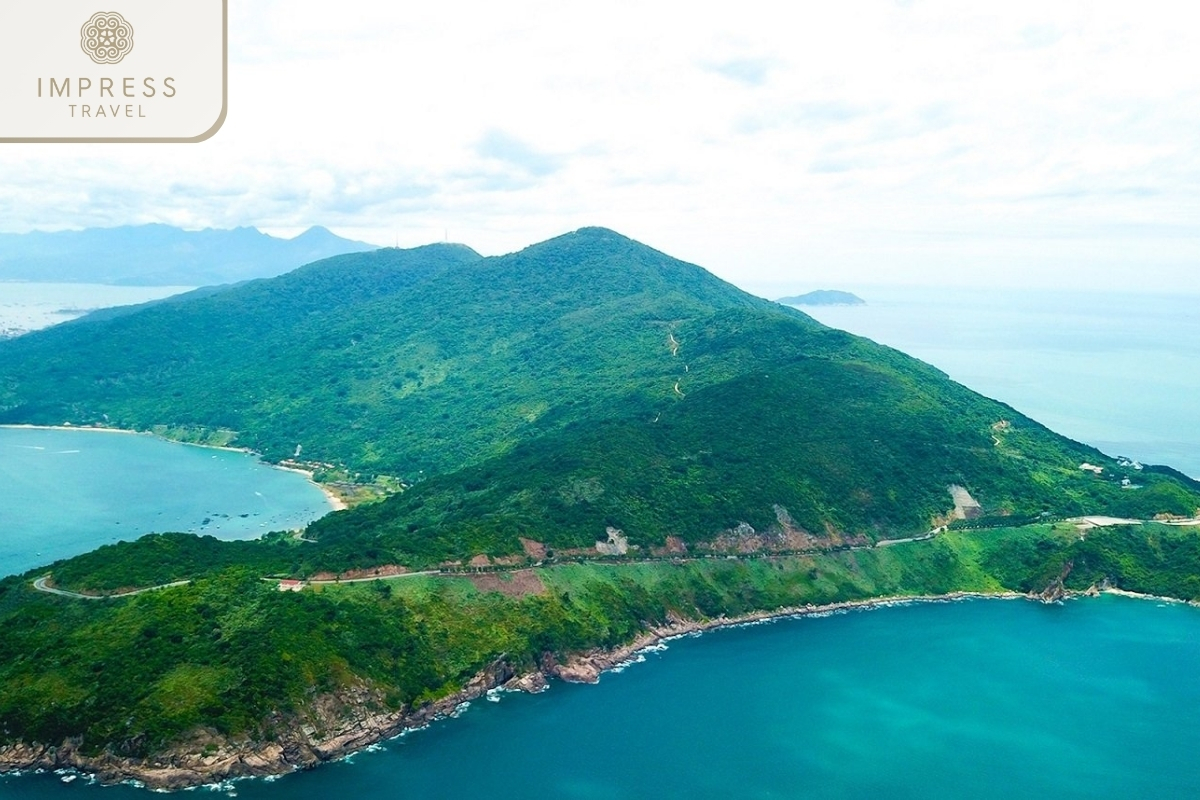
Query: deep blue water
{"points": [[974, 699], [1119, 372], [68, 492]]}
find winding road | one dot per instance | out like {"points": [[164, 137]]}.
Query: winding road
{"points": [[40, 585]]}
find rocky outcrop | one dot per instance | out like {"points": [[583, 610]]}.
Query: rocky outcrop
{"points": [[1056, 590], [617, 543], [333, 726], [782, 537]]}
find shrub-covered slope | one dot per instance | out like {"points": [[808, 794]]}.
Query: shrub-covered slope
{"points": [[829, 448]]}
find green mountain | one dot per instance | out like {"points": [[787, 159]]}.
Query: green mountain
{"points": [[616, 386], [598, 440], [823, 297], [395, 361]]}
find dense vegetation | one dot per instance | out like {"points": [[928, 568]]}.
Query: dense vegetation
{"points": [[231, 652], [585, 383], [395, 362], [874, 464]]}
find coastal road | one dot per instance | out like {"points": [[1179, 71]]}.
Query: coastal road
{"points": [[40, 585], [367, 580], [922, 538]]}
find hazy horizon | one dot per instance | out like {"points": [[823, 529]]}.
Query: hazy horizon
{"points": [[875, 141]]}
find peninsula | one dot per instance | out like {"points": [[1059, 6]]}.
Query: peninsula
{"points": [[585, 445]]}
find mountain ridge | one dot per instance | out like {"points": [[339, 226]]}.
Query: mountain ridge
{"points": [[428, 363], [420, 320]]}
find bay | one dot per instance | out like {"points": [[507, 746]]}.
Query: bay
{"points": [[27, 306], [1116, 371], [69, 491], [971, 699]]}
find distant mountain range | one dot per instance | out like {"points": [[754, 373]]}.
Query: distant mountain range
{"points": [[162, 255], [823, 297]]}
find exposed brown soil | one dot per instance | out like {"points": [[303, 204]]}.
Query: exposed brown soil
{"points": [[674, 546], [383, 571], [533, 549], [517, 583]]}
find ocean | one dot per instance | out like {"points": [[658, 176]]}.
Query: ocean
{"points": [[971, 699], [1120, 372], [67, 492]]}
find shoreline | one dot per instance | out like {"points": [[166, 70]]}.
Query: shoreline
{"points": [[587, 667], [335, 502], [27, 427], [355, 730], [1142, 596], [352, 729]]}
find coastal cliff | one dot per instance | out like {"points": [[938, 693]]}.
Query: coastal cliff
{"points": [[337, 725], [333, 726]]}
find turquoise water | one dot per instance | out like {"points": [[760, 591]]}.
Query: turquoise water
{"points": [[1116, 371], [975, 699], [68, 492]]}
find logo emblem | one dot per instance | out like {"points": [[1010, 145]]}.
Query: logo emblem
{"points": [[106, 37]]}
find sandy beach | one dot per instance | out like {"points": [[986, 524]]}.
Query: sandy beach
{"points": [[335, 502], [1140, 596]]}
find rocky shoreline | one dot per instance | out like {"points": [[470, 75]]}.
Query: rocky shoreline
{"points": [[337, 726]]}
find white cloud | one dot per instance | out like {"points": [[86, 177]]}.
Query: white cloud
{"points": [[788, 145]]}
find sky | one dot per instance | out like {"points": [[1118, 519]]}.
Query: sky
{"points": [[784, 146]]}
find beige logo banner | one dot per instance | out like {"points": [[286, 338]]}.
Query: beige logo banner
{"points": [[133, 71]]}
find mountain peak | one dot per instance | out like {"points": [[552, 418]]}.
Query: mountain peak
{"points": [[598, 232], [316, 232]]}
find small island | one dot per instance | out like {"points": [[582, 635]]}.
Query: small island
{"points": [[823, 297]]}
